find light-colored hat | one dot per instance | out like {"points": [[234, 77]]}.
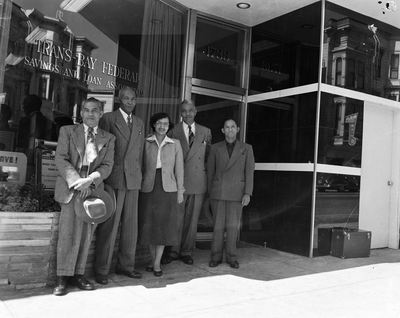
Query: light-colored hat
{"points": [[97, 207]]}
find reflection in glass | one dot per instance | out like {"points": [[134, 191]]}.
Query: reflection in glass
{"points": [[341, 129], [336, 205], [285, 51], [360, 53], [279, 213], [219, 53], [283, 129]]}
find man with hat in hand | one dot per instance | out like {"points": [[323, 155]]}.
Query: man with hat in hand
{"points": [[84, 158]]}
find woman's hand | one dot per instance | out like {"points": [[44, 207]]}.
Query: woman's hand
{"points": [[180, 198]]}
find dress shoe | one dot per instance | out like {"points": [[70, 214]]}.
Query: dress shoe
{"points": [[167, 259], [61, 287], [187, 259], [158, 273], [101, 279], [81, 282], [131, 274], [233, 264], [214, 263], [149, 268]]}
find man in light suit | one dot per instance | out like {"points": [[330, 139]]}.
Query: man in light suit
{"points": [[194, 155], [125, 179], [78, 173], [230, 170]]}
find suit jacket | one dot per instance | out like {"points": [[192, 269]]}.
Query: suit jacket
{"points": [[195, 158], [171, 166], [126, 173], [230, 178], [69, 157]]}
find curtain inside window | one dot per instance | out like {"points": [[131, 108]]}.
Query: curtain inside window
{"points": [[160, 61]]}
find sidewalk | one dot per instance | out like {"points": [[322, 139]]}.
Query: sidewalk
{"points": [[268, 283]]}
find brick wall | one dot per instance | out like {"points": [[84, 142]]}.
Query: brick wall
{"points": [[28, 244]]}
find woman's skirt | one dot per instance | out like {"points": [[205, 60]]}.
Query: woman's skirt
{"points": [[158, 215]]}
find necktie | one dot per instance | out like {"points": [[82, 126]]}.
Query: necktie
{"points": [[130, 122], [91, 149], [191, 136]]}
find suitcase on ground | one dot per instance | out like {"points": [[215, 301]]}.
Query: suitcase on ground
{"points": [[350, 243]]}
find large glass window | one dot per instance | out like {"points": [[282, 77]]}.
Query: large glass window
{"points": [[219, 53], [285, 51], [367, 49]]}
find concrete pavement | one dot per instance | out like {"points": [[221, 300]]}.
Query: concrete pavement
{"points": [[268, 283]]}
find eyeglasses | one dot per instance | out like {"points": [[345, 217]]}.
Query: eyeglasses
{"points": [[160, 124]]}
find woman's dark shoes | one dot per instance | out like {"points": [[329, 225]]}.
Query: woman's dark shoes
{"points": [[61, 286], [149, 268], [158, 273], [131, 274], [81, 282], [167, 259], [214, 263], [101, 279], [187, 259]]}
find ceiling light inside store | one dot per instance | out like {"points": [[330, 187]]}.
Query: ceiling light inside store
{"points": [[307, 26], [74, 5], [243, 5]]}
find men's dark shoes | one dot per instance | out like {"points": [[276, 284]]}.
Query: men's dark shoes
{"points": [[214, 263], [131, 274], [101, 279], [167, 259], [81, 282], [187, 259], [61, 286], [234, 264]]}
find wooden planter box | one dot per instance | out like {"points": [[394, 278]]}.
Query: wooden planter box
{"points": [[28, 244]]}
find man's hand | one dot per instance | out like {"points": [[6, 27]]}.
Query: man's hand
{"points": [[180, 198], [85, 193], [82, 184], [245, 200]]}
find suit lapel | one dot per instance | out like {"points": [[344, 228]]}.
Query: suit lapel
{"points": [[237, 152], [198, 139], [78, 137], [223, 153], [135, 133], [180, 134], [121, 125]]}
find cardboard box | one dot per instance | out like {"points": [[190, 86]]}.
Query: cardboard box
{"points": [[350, 243]]}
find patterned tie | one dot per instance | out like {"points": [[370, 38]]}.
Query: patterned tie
{"points": [[191, 137], [130, 122], [91, 149]]}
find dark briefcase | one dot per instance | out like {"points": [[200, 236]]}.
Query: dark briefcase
{"points": [[350, 243]]}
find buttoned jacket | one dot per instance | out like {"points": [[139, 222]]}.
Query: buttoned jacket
{"points": [[194, 157], [171, 166], [230, 178], [69, 158], [126, 173]]}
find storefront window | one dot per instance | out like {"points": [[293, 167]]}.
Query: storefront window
{"points": [[367, 49], [219, 53], [340, 132], [285, 51]]}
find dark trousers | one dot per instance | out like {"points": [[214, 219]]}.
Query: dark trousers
{"points": [[126, 213], [226, 216]]}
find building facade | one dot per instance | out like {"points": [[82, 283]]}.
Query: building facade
{"points": [[314, 87]]}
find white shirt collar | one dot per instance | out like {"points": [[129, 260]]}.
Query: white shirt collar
{"points": [[86, 127], [186, 126], [166, 139], [125, 115]]}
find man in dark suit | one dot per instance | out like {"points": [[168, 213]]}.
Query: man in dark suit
{"points": [[125, 179], [79, 171], [230, 170], [195, 141]]}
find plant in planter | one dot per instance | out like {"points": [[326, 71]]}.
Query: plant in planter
{"points": [[31, 197]]}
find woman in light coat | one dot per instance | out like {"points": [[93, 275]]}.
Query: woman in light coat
{"points": [[162, 190]]}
